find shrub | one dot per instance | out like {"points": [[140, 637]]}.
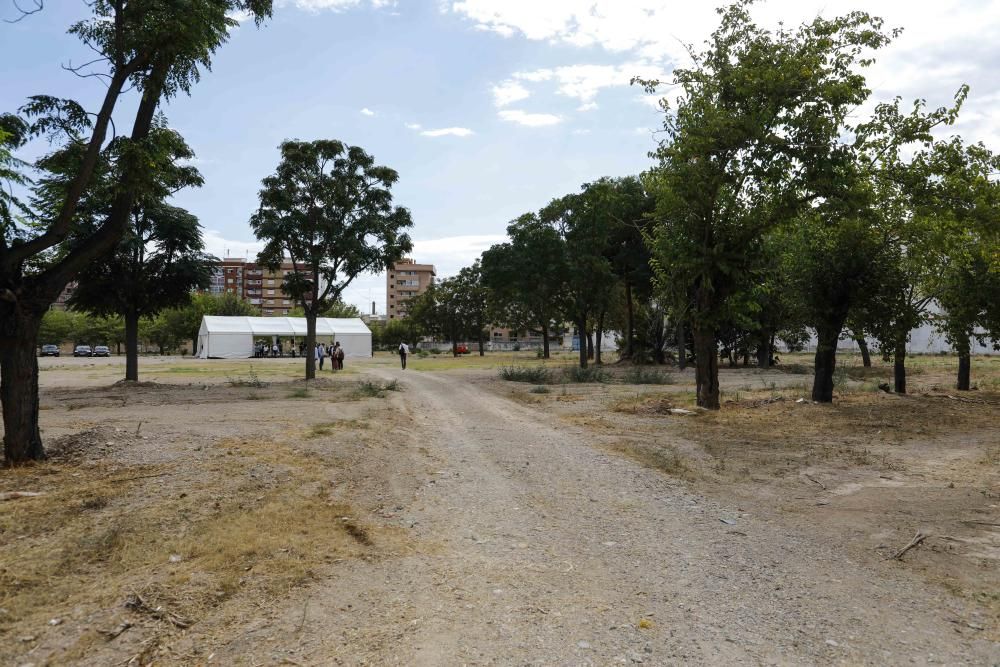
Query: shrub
{"points": [[533, 374], [539, 390], [642, 375], [589, 374], [301, 392]]}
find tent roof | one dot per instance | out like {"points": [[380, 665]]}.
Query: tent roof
{"points": [[282, 326]]}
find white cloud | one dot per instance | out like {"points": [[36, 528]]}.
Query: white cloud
{"points": [[367, 112], [336, 5], [587, 106], [448, 132], [509, 92], [413, 126], [583, 82], [529, 119]]}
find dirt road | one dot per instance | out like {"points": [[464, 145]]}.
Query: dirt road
{"points": [[538, 547]]}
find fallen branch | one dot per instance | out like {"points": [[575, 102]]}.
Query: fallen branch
{"points": [[112, 634], [813, 479], [917, 539], [13, 495]]}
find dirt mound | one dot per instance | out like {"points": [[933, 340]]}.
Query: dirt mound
{"points": [[93, 444]]}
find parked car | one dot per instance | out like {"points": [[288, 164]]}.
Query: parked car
{"points": [[102, 351], [82, 351], [462, 348], [50, 351]]}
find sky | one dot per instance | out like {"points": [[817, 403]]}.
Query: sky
{"points": [[487, 108]]}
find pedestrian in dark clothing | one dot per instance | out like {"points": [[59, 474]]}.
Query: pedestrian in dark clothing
{"points": [[340, 357], [404, 350]]}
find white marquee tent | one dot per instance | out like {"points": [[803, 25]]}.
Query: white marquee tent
{"points": [[222, 337]]}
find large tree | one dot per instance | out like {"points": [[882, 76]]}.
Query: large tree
{"points": [[328, 208], [159, 260], [526, 277], [157, 48], [752, 140]]}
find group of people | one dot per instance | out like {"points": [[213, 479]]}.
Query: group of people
{"points": [[263, 349], [335, 352]]}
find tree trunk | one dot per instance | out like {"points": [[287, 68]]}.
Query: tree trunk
{"points": [[964, 365], [545, 340], [629, 322], [706, 356], [454, 346], [482, 343], [682, 352], [310, 345], [764, 353], [581, 326], [22, 441], [132, 346], [866, 355], [899, 368], [590, 345], [826, 363], [599, 339]]}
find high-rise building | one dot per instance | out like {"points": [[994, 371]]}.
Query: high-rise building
{"points": [[405, 280], [255, 283]]}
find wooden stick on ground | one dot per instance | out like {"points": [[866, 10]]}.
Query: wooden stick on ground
{"points": [[917, 539], [813, 479]]}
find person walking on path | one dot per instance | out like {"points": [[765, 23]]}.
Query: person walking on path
{"points": [[404, 350], [320, 353]]}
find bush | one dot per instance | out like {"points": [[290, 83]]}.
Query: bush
{"points": [[539, 390], [533, 374], [641, 375], [589, 374]]}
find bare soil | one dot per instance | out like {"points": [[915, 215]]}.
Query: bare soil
{"points": [[216, 516]]}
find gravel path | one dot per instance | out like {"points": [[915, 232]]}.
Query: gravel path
{"points": [[543, 549]]}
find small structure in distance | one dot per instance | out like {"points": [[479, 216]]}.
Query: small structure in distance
{"points": [[232, 337]]}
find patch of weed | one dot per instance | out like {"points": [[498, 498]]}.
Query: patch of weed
{"points": [[300, 392], [539, 390], [533, 374]]}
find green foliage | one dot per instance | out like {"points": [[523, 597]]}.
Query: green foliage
{"points": [[328, 207], [768, 108], [533, 374], [539, 390]]}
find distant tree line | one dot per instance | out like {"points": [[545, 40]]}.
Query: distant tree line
{"points": [[769, 212]]}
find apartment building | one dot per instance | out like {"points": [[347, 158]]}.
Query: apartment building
{"points": [[255, 283], [404, 280]]}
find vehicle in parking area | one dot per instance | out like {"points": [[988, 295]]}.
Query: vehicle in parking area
{"points": [[50, 351], [102, 351], [82, 351]]}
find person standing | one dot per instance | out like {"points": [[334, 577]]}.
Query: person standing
{"points": [[340, 357], [404, 350], [320, 353]]}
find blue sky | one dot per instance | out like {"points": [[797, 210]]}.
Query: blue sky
{"points": [[487, 108]]}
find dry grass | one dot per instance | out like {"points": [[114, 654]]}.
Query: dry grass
{"points": [[258, 526], [661, 457]]}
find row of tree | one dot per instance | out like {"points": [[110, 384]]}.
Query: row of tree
{"points": [[769, 213]]}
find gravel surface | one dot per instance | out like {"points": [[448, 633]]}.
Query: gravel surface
{"points": [[538, 548]]}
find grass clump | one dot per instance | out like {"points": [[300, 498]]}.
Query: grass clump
{"points": [[533, 374], [539, 390], [643, 375], [369, 389], [300, 392], [588, 374], [252, 380]]}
